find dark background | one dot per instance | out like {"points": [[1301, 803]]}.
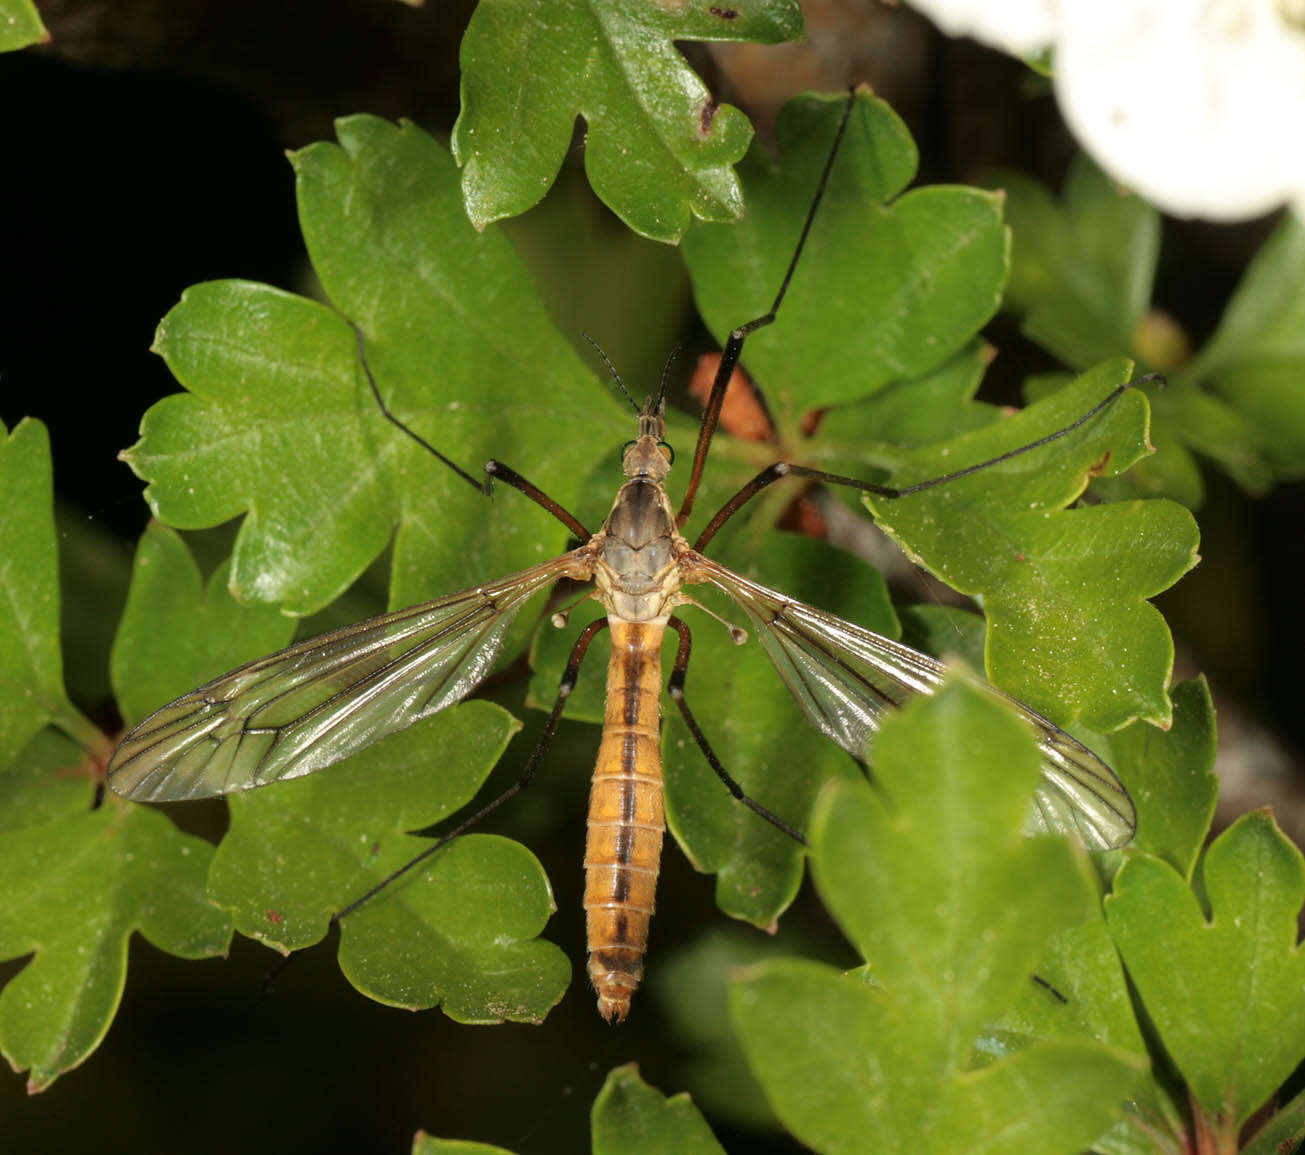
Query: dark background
{"points": [[145, 153]]}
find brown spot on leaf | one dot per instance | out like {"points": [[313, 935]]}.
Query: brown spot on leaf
{"points": [[724, 13], [706, 117]]}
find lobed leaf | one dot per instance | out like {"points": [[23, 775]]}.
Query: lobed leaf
{"points": [[931, 880], [1225, 990], [1064, 590], [841, 337], [77, 885], [691, 988], [1171, 778], [279, 420], [889, 286], [458, 932], [631, 1118], [658, 148]]}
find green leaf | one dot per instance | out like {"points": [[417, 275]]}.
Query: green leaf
{"points": [[1069, 630], [758, 733], [1283, 1133], [893, 350], [1170, 775], [631, 1118], [1256, 359], [1225, 990], [177, 632], [31, 668], [460, 932], [929, 878], [658, 148], [691, 986], [883, 291], [920, 411], [550, 651], [1081, 280], [279, 420], [292, 857], [423, 1144], [945, 631], [20, 25], [76, 886], [50, 779], [1081, 274]]}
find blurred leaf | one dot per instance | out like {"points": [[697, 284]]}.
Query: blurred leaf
{"points": [[423, 1144], [1081, 274], [1081, 280], [929, 878], [94, 572], [575, 251], [691, 986], [657, 147], [1281, 1134], [279, 420], [20, 25], [1256, 359], [1225, 990], [631, 1118]]}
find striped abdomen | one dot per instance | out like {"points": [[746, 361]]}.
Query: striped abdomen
{"points": [[626, 818]]}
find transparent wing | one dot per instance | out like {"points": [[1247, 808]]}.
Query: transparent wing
{"points": [[846, 678], [321, 700]]}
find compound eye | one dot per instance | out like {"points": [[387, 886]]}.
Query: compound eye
{"points": [[627, 447], [667, 452]]}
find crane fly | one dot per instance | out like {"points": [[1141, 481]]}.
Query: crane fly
{"points": [[318, 701]]}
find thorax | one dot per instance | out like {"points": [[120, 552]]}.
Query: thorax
{"points": [[636, 568]]}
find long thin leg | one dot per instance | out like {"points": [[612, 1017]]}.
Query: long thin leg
{"points": [[773, 473], [734, 346], [493, 469], [675, 687], [564, 689], [1038, 980]]}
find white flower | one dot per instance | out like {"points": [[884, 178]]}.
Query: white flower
{"points": [[1021, 27], [1199, 105]]}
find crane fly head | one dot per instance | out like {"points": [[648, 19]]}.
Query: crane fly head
{"points": [[648, 456]]}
